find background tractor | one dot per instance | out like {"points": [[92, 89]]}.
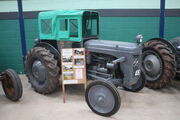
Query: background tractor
{"points": [[11, 84], [161, 58], [109, 63], [118, 62]]}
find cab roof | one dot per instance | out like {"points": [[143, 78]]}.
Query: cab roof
{"points": [[51, 14]]}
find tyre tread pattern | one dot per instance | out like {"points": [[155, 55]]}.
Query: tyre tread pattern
{"points": [[169, 63], [51, 66]]}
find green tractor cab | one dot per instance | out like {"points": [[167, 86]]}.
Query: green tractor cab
{"points": [[68, 25]]}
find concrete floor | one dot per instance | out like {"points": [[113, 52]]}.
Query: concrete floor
{"points": [[145, 105]]}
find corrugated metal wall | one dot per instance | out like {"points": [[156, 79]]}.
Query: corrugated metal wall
{"points": [[10, 43], [126, 28], [111, 28], [38, 5]]}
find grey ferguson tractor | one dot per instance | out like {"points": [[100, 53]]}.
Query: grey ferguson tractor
{"points": [[109, 63]]}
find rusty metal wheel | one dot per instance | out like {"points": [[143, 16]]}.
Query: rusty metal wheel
{"points": [[11, 85], [159, 64]]}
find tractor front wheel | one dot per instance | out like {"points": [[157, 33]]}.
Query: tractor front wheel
{"points": [[12, 85], [42, 70], [103, 98], [158, 64]]}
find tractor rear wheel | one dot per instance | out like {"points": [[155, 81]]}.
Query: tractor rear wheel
{"points": [[42, 70], [12, 85], [176, 43], [159, 64]]}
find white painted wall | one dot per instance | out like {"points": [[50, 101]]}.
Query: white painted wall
{"points": [[34, 5]]}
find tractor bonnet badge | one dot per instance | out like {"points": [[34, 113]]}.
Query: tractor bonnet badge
{"points": [[137, 73]]}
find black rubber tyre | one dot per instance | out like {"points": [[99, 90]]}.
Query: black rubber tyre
{"points": [[12, 85], [176, 43], [42, 70], [167, 61], [99, 107], [138, 86]]}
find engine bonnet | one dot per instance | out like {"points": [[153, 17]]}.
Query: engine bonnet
{"points": [[116, 45]]}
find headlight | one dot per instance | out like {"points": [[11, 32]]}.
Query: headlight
{"points": [[36, 40], [178, 47], [139, 38]]}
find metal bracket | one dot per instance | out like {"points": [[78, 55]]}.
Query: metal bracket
{"points": [[121, 59]]}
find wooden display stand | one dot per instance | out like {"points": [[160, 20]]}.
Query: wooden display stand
{"points": [[73, 67]]}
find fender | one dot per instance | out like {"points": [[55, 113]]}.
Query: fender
{"points": [[176, 43], [52, 49], [168, 43]]}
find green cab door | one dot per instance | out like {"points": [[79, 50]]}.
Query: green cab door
{"points": [[69, 29], [63, 28]]}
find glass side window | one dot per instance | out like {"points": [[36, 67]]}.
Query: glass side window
{"points": [[73, 27], [94, 27], [91, 27], [63, 25], [46, 26]]}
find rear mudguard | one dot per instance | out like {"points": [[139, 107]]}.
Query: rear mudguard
{"points": [[168, 43], [173, 45], [52, 49]]}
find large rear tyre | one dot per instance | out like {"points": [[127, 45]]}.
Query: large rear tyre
{"points": [[159, 64], [176, 43], [42, 70], [11, 84], [103, 98], [138, 86]]}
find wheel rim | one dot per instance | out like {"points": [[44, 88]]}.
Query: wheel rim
{"points": [[152, 65], [9, 86], [39, 71], [101, 99]]}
